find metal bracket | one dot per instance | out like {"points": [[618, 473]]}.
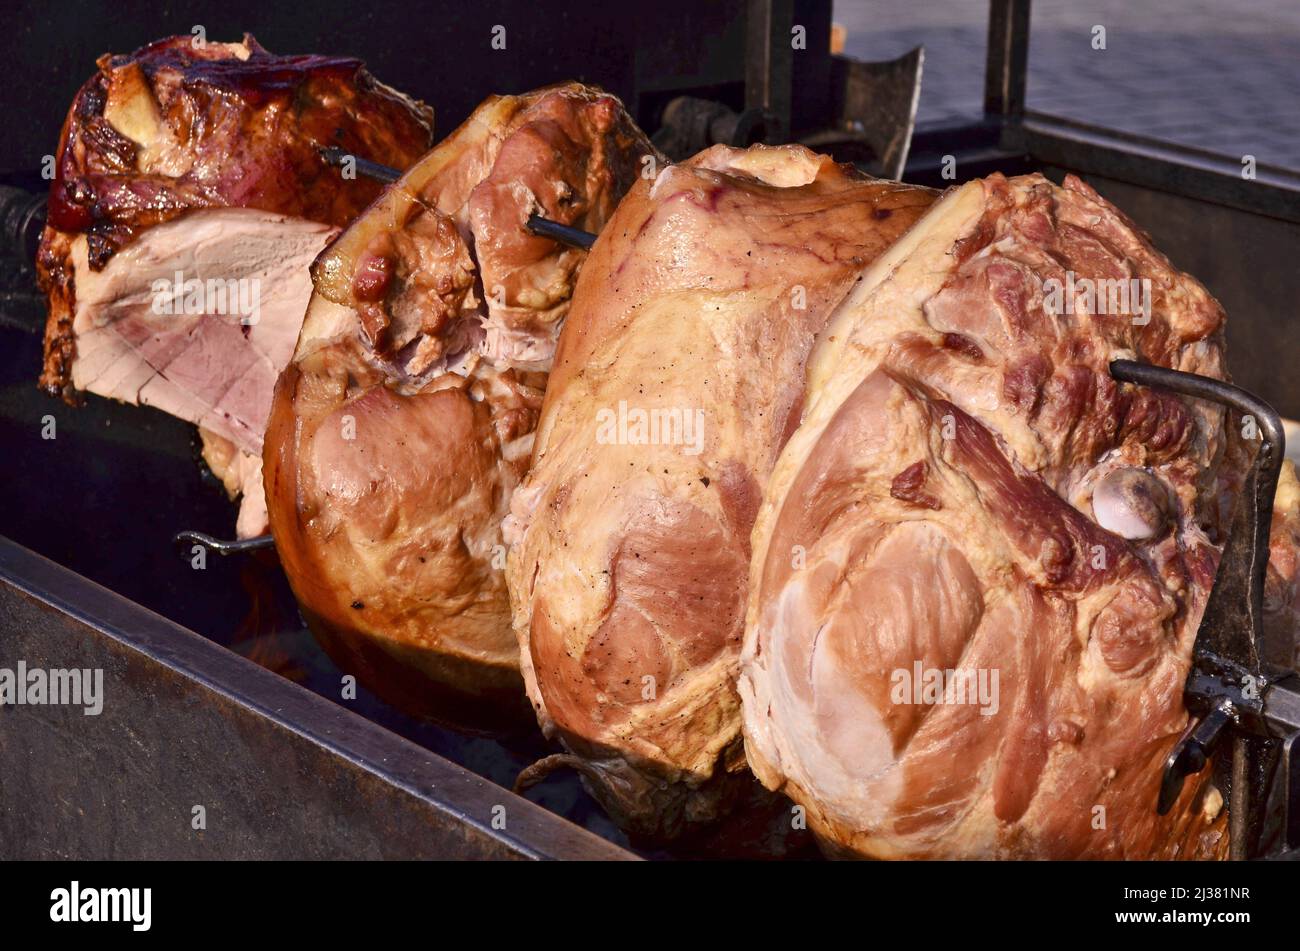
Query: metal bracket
{"points": [[220, 546], [1289, 778], [1227, 685]]}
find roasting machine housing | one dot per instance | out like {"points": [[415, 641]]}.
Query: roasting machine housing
{"points": [[192, 717]]}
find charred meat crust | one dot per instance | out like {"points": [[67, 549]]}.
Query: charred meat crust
{"points": [[215, 125]]}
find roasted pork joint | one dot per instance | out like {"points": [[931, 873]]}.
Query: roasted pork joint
{"points": [[405, 419], [190, 198], [980, 562], [678, 377]]}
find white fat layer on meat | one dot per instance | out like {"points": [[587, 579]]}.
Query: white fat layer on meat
{"points": [[526, 349], [665, 175], [929, 241], [324, 324], [253, 519], [838, 721], [208, 369], [241, 474], [924, 249], [805, 728], [773, 165], [780, 732]]}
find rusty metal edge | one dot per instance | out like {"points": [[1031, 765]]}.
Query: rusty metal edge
{"points": [[444, 786]]}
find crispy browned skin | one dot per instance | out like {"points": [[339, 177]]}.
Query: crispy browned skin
{"points": [[705, 292], [971, 491], [403, 424], [173, 127]]}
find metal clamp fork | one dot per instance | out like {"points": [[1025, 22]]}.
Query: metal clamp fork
{"points": [[1229, 689]]}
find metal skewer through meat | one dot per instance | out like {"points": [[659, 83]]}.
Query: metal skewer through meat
{"points": [[574, 237], [406, 417], [221, 547], [544, 227], [983, 648], [1235, 687]]}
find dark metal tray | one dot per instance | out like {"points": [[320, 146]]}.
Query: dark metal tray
{"points": [[283, 765], [279, 771]]}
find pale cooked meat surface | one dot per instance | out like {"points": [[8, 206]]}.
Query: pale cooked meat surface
{"points": [[697, 308], [402, 426], [970, 496], [189, 176], [137, 343], [178, 126]]}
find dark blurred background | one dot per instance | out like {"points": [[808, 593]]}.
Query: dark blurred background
{"points": [[436, 50], [1202, 73], [1224, 77]]}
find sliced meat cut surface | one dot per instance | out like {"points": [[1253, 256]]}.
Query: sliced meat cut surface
{"points": [[189, 199], [198, 316], [980, 562]]}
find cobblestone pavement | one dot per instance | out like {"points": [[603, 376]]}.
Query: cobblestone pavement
{"points": [[1223, 76]]}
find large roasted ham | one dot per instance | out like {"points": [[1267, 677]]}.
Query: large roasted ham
{"points": [[678, 377], [980, 562], [405, 419], [189, 199]]}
